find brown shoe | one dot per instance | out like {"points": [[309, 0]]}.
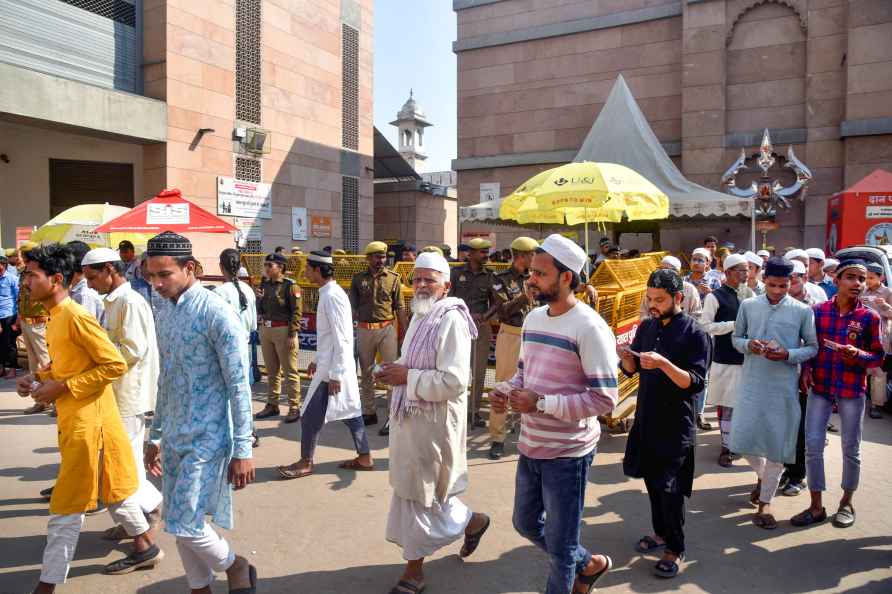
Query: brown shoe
{"points": [[33, 410], [270, 410], [293, 414], [725, 458]]}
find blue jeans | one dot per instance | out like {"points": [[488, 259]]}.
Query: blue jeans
{"points": [[548, 500], [313, 419], [851, 418]]}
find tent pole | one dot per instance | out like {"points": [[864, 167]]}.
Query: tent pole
{"points": [[753, 227], [587, 269]]}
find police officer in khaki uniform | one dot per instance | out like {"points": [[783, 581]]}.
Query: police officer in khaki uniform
{"points": [[279, 308], [376, 298], [473, 283], [512, 303]]}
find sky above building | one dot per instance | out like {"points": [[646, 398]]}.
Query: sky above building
{"points": [[413, 50]]}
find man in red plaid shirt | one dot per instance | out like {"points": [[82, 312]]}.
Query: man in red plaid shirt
{"points": [[849, 344]]}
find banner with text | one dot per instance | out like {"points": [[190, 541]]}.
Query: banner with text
{"points": [[239, 198]]}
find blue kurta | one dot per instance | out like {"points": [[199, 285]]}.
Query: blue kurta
{"points": [[766, 415], [203, 414]]}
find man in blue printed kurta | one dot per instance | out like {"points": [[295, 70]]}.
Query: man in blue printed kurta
{"points": [[776, 333], [202, 424]]}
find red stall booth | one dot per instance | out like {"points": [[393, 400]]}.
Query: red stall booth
{"points": [[862, 214]]}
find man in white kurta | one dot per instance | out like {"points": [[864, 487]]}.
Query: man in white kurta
{"points": [[428, 426], [717, 318], [130, 325], [334, 391]]}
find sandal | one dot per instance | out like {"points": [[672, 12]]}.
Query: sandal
{"points": [[472, 541], [252, 576], [589, 580], [667, 569], [291, 472], [807, 518], [648, 544], [356, 465], [725, 458], [765, 521], [404, 587], [844, 516]]}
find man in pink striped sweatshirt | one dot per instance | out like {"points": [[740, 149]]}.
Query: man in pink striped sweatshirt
{"points": [[566, 377]]}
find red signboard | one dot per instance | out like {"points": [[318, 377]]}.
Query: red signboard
{"points": [[22, 234]]}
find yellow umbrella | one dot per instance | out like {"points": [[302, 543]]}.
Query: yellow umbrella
{"points": [[585, 192], [78, 223]]}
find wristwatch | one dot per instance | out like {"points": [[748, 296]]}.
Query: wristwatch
{"points": [[540, 404]]}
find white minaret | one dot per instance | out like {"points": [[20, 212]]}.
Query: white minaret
{"points": [[411, 122]]}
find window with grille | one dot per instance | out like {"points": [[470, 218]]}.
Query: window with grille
{"points": [[350, 87], [248, 169], [116, 10], [248, 27], [350, 212]]}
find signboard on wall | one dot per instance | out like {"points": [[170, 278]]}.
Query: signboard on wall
{"points": [[298, 223], [239, 198], [489, 191], [320, 226], [23, 234], [251, 229]]}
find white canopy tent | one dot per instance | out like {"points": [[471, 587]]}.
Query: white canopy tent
{"points": [[622, 135]]}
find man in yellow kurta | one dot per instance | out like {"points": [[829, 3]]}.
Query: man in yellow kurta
{"points": [[83, 365]]}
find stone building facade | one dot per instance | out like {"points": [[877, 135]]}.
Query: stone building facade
{"points": [[709, 75], [177, 80]]}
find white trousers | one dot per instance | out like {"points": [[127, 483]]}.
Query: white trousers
{"points": [[147, 496], [769, 473], [421, 531], [203, 556], [62, 533]]}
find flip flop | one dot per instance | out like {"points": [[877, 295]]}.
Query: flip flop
{"points": [[649, 545], [472, 541], [590, 580], [356, 465], [404, 587], [252, 576], [287, 474], [667, 569], [844, 517]]}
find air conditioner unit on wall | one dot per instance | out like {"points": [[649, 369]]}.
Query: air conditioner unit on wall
{"points": [[257, 141]]}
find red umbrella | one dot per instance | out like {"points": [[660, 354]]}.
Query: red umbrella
{"points": [[168, 211]]}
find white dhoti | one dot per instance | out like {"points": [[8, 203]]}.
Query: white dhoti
{"points": [[148, 497], [420, 531], [723, 382]]}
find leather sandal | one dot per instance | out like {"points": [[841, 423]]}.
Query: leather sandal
{"points": [[472, 541], [589, 580], [356, 465], [807, 518], [765, 521]]}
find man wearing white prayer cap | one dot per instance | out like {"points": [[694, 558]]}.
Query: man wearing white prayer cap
{"points": [[699, 276], [815, 265], [764, 254], [753, 279], [428, 426], [816, 293], [566, 377], [829, 270], [719, 313]]}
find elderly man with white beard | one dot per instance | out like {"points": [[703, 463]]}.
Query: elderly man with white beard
{"points": [[428, 426]]}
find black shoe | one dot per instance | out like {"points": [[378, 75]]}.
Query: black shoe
{"points": [[478, 422], [496, 451], [371, 419], [255, 440], [875, 413], [145, 559], [47, 493], [385, 430], [270, 410], [293, 415], [703, 425]]}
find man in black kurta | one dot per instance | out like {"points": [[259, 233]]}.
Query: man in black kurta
{"points": [[674, 356]]}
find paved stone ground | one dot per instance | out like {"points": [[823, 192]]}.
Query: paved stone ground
{"points": [[325, 534]]}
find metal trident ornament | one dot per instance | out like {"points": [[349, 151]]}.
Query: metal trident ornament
{"points": [[767, 191]]}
